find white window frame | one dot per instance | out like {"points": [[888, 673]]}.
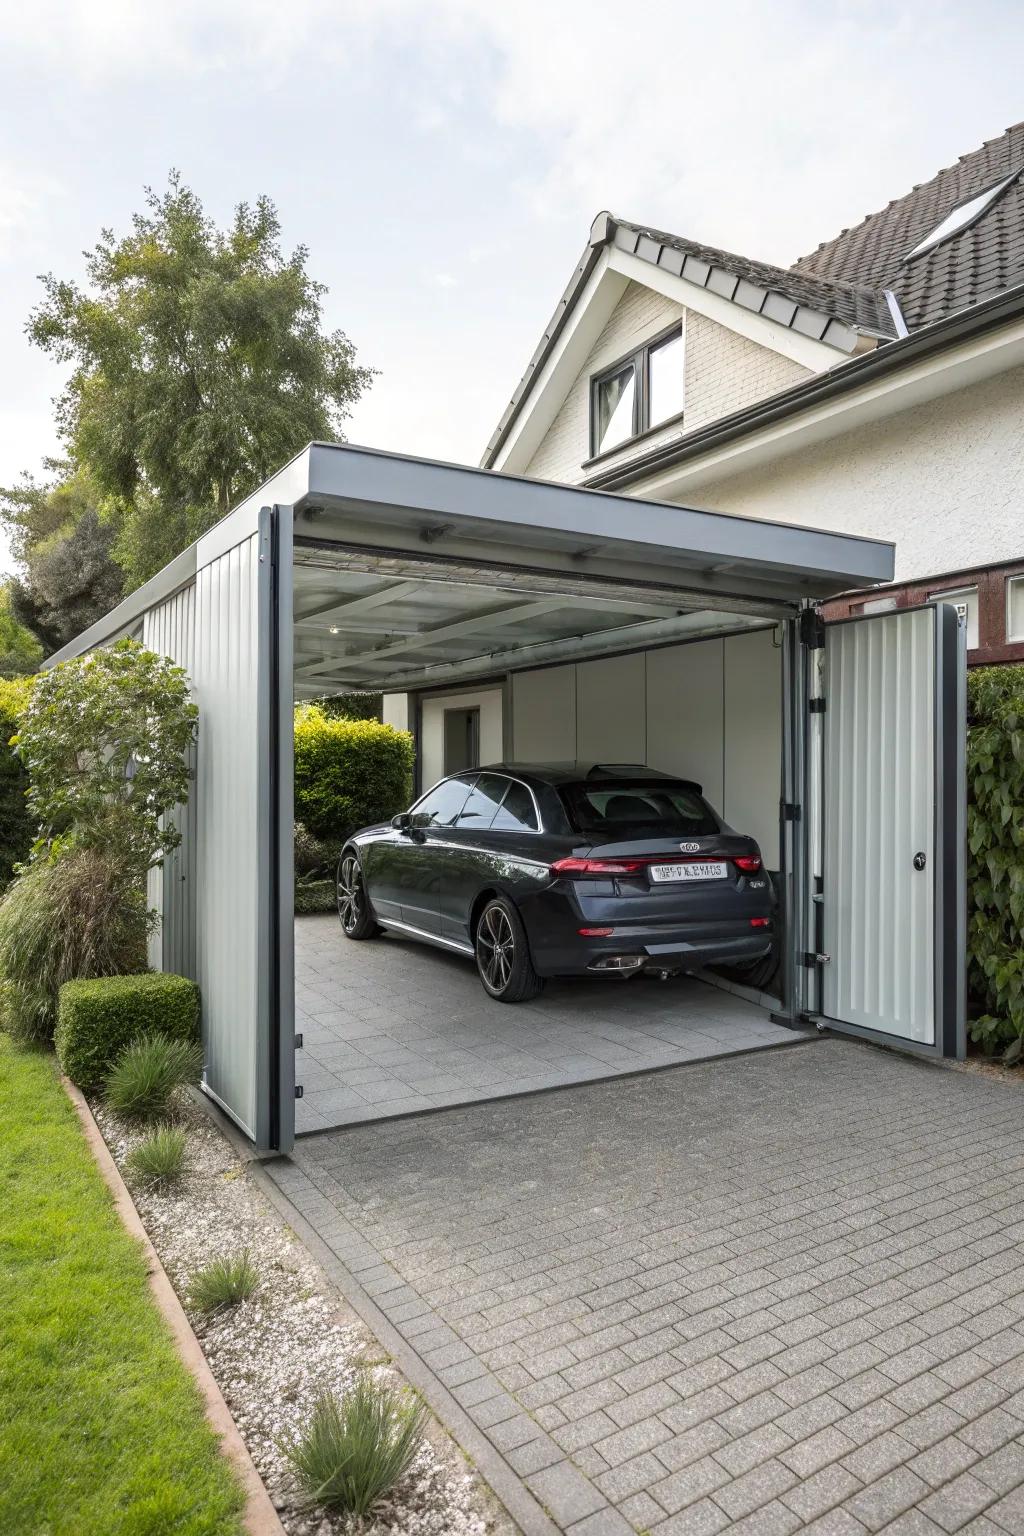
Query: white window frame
{"points": [[1013, 582]]}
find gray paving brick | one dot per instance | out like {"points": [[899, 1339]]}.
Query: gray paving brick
{"points": [[803, 1338]]}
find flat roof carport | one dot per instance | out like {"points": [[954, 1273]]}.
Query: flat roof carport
{"points": [[353, 568]]}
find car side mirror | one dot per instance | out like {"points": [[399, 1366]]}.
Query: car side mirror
{"points": [[402, 822]]}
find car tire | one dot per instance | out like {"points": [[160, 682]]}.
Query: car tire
{"points": [[354, 910], [503, 954]]}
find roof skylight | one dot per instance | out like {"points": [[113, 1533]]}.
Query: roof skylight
{"points": [[960, 216]]}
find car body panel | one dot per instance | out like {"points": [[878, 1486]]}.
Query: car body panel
{"points": [[433, 879]]}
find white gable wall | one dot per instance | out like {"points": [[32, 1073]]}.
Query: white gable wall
{"points": [[724, 371]]}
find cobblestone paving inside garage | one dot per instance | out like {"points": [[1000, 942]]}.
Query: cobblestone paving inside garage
{"points": [[392, 1027], [771, 1293]]}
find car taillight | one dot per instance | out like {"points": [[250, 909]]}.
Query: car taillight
{"points": [[585, 867], [759, 922], [748, 862]]}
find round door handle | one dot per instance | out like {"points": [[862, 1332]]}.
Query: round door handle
{"points": [[920, 860]]}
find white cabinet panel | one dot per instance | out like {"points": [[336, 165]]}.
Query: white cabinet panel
{"points": [[685, 714], [611, 710]]}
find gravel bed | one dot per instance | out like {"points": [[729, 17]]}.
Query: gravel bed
{"points": [[273, 1353]]}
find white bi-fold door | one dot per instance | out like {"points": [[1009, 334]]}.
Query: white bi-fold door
{"points": [[891, 895]]}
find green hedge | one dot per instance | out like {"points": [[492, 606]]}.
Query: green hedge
{"points": [[315, 896], [348, 773], [995, 856], [97, 1019], [17, 829]]}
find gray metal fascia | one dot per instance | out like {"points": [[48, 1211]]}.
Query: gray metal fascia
{"points": [[369, 476]]}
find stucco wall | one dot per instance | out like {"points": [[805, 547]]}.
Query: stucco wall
{"points": [[723, 373], [944, 480]]}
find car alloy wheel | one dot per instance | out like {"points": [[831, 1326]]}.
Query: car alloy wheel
{"points": [[496, 948], [350, 893], [503, 954]]}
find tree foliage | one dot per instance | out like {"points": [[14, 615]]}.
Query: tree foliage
{"points": [[105, 740], [20, 650], [64, 544], [995, 856], [16, 824], [199, 366]]}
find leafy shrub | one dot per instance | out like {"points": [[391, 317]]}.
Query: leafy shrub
{"points": [[160, 1158], [98, 1019], [355, 1449], [80, 915], [315, 856], [146, 1075], [224, 1283], [105, 739], [995, 856], [17, 828], [348, 773]]}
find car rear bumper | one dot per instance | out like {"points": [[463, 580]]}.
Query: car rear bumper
{"points": [[629, 951]]}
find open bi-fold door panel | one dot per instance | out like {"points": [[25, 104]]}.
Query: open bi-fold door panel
{"points": [[891, 899]]}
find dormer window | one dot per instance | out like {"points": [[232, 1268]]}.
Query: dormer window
{"points": [[961, 216], [641, 391]]}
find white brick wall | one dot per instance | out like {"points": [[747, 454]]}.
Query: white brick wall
{"points": [[723, 373]]}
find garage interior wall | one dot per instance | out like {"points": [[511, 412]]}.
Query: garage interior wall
{"points": [[489, 701], [710, 710]]}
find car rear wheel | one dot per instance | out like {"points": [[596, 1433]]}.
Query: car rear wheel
{"points": [[503, 954], [354, 910]]}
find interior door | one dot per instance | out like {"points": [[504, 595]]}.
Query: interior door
{"points": [[891, 899]]}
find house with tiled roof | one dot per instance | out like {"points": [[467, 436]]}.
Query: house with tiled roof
{"points": [[874, 386]]}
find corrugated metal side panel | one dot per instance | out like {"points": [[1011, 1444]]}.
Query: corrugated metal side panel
{"points": [[225, 671], [169, 630], [879, 810]]}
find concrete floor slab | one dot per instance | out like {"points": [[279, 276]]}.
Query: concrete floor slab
{"points": [[392, 1027]]}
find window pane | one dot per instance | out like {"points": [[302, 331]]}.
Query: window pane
{"points": [[666, 380], [631, 808], [965, 599], [517, 813], [479, 809], [1015, 608], [442, 805], [614, 404]]}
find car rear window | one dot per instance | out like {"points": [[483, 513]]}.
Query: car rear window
{"points": [[625, 808]]}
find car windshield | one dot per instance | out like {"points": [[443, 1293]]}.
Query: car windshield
{"points": [[619, 809]]}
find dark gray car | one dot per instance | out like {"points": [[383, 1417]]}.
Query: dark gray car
{"points": [[539, 871]]}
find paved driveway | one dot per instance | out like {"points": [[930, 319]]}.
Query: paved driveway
{"points": [[774, 1293], [394, 1027]]}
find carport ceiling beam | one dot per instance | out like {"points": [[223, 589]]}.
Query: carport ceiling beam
{"points": [[393, 592], [515, 613]]}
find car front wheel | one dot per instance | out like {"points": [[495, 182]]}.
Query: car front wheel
{"points": [[503, 954], [357, 920]]}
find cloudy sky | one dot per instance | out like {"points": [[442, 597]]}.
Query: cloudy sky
{"points": [[443, 159]]}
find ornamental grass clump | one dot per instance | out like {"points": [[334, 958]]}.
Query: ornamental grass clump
{"points": [[226, 1282], [145, 1077], [356, 1448], [158, 1161]]}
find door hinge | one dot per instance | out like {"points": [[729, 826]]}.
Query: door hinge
{"points": [[790, 811], [812, 629], [298, 1042], [816, 706], [298, 1090], [810, 959]]}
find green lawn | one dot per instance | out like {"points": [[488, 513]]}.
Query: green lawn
{"points": [[101, 1428]]}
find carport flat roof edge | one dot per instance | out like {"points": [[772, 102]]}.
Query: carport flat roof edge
{"points": [[343, 472]]}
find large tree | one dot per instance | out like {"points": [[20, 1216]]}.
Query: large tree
{"points": [[63, 541], [199, 366]]}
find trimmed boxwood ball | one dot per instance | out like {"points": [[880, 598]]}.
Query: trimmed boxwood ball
{"points": [[97, 1019]]}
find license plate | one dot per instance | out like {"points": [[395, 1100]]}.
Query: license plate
{"points": [[662, 873]]}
